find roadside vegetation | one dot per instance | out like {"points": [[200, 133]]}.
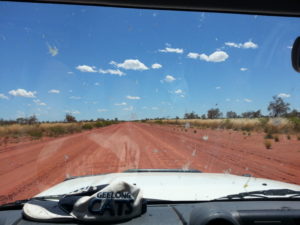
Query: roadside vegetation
{"points": [[30, 128], [280, 120]]}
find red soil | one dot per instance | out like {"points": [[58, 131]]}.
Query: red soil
{"points": [[29, 168]]}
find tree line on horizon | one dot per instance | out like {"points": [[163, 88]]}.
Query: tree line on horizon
{"points": [[277, 108]]}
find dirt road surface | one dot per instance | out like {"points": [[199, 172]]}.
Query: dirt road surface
{"points": [[29, 168]]}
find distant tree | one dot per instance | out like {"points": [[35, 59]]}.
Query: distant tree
{"points": [[278, 107], [191, 115], [231, 114], [203, 116], [294, 113], [32, 120], [214, 113], [252, 114], [69, 118]]}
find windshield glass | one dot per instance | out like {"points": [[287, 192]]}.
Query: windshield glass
{"points": [[88, 90]]}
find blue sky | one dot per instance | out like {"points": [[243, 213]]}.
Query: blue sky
{"points": [[101, 62]]}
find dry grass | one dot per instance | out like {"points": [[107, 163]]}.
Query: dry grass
{"points": [[272, 125], [37, 131]]}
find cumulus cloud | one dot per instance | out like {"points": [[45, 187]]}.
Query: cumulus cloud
{"points": [[247, 100], [156, 66], [121, 104], [52, 50], [23, 93], [245, 45], [72, 112], [172, 50], [75, 97], [133, 97], [39, 102], [102, 110], [130, 64], [244, 69], [3, 96], [178, 91], [169, 78], [113, 72], [217, 56], [86, 68], [130, 108], [284, 95], [193, 55], [54, 91]]}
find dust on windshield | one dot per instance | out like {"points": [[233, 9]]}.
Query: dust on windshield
{"points": [[89, 90]]}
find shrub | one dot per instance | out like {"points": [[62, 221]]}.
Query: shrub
{"points": [[298, 138], [269, 136], [87, 126], [276, 138], [56, 131], [288, 137], [195, 131], [295, 122], [36, 133], [98, 124], [268, 144]]}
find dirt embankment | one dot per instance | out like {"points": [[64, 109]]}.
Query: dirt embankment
{"points": [[29, 168]]}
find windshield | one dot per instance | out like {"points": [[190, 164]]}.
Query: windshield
{"points": [[88, 90]]}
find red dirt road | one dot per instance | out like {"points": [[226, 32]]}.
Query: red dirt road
{"points": [[29, 168]]}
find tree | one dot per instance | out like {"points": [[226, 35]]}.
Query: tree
{"points": [[32, 120], [214, 113], [252, 114], [70, 118], [294, 113], [203, 116], [231, 114], [191, 115], [278, 107]]}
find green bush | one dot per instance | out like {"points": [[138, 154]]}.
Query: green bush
{"points": [[295, 122], [269, 136], [98, 124], [36, 133], [56, 131], [87, 126]]}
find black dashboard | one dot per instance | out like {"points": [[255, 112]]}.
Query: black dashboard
{"points": [[208, 213]]}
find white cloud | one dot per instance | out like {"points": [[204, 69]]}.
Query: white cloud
{"points": [[86, 68], [121, 104], [113, 72], [52, 50], [133, 97], [70, 72], [54, 91], [23, 93], [39, 102], [156, 66], [73, 112], [245, 45], [178, 91], [96, 83], [284, 95], [154, 108], [130, 108], [75, 97], [102, 110], [130, 64], [172, 50], [247, 100], [3, 96], [227, 99], [193, 55], [169, 78], [218, 88], [244, 69], [289, 47], [217, 56]]}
